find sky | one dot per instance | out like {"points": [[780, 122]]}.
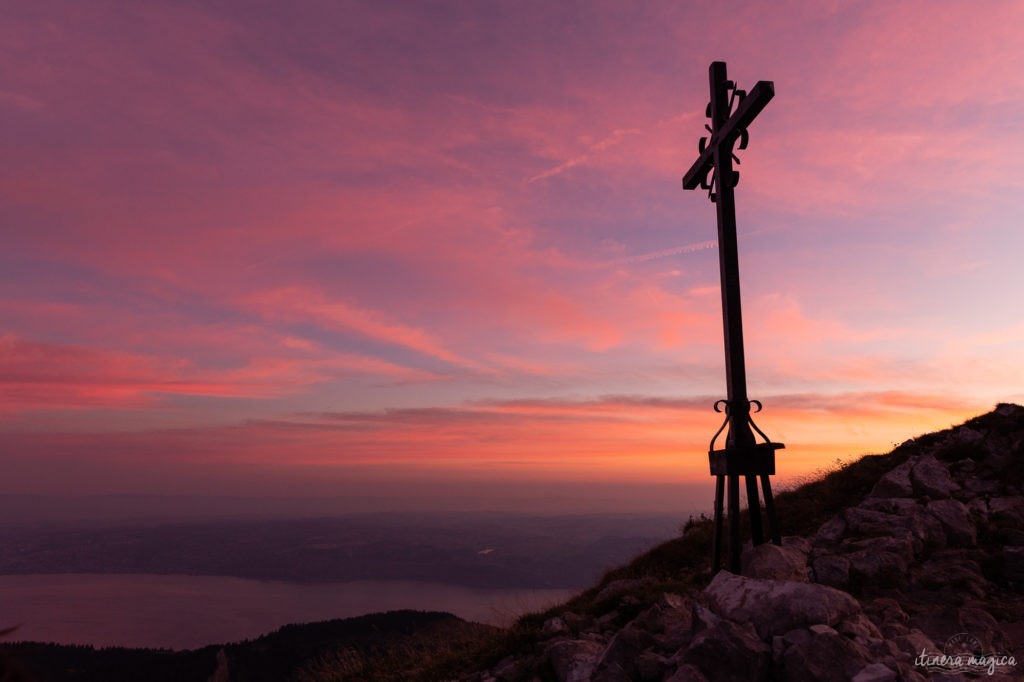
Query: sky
{"points": [[435, 250]]}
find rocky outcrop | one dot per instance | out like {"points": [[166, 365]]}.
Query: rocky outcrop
{"points": [[936, 548]]}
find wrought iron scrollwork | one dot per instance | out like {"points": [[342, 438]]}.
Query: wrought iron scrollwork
{"points": [[710, 180], [724, 406]]}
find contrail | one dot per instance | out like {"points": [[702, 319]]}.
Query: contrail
{"points": [[675, 250]]}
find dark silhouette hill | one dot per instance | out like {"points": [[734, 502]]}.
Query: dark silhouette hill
{"points": [[376, 645]]}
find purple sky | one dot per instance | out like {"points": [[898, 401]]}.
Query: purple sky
{"points": [[329, 247]]}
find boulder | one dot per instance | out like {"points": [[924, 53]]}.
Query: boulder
{"points": [[830, 532], [825, 656], [896, 483], [931, 478], [890, 505], [728, 652], [687, 673], [798, 543], [901, 546], [574, 660], [511, 668], [859, 625], [956, 521], [651, 667], [982, 625], [1011, 564], [877, 568], [875, 672], [670, 621], [832, 570], [775, 607], [772, 562], [951, 571], [861, 521], [618, 662], [782, 642], [1007, 511], [886, 610], [703, 618], [982, 486], [619, 588], [555, 626]]}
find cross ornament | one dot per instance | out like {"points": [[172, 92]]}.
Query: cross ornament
{"points": [[731, 111]]}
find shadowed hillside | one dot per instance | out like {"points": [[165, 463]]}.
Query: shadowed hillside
{"points": [[885, 557]]}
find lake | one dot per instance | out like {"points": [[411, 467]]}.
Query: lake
{"points": [[186, 612]]}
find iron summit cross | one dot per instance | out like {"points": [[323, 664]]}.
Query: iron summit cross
{"points": [[731, 110]]}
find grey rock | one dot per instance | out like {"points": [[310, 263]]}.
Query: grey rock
{"points": [[1011, 565], [798, 543], [931, 478], [875, 672], [874, 568], [896, 483], [956, 521], [651, 667], [574, 660], [830, 532], [1008, 511], [978, 507], [608, 621], [822, 629], [576, 621], [730, 652], [982, 486], [1013, 537], [951, 570], [618, 662], [772, 562], [982, 625], [510, 668], [861, 521], [913, 643], [782, 642], [555, 626], [923, 531], [670, 620], [826, 656], [687, 673], [890, 505], [886, 610], [618, 588], [859, 625], [968, 436], [776, 607], [902, 546], [703, 618], [832, 570]]}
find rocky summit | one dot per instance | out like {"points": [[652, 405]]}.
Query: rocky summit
{"points": [[919, 576]]}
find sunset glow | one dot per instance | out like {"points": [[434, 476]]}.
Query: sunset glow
{"points": [[347, 248]]}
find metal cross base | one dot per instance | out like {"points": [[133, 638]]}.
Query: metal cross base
{"points": [[752, 461]]}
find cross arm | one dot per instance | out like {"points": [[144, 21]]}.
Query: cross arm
{"points": [[748, 109]]}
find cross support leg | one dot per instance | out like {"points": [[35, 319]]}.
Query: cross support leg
{"points": [[734, 523], [769, 510], [716, 543], [754, 509]]}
